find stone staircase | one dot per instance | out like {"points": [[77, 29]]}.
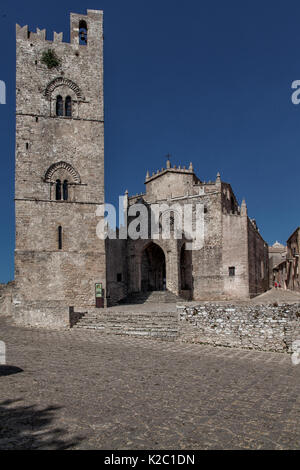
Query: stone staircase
{"points": [[156, 325], [151, 297]]}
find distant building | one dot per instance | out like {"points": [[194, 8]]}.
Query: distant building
{"points": [[292, 268], [284, 262], [277, 257]]}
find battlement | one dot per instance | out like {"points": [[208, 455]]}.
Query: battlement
{"points": [[182, 170], [169, 168], [22, 32], [78, 23]]}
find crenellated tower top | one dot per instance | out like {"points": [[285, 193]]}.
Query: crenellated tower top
{"points": [[80, 27]]}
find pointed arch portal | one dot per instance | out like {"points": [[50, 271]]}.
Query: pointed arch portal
{"points": [[153, 269]]}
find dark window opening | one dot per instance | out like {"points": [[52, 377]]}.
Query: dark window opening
{"points": [[59, 106], [119, 277], [27, 145], [232, 205], [205, 210], [82, 33], [58, 190], [65, 190], [232, 271], [60, 237], [172, 220], [68, 106], [36, 119]]}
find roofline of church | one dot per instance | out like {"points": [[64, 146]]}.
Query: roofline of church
{"points": [[169, 170]]}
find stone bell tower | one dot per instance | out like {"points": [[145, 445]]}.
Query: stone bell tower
{"points": [[59, 178]]}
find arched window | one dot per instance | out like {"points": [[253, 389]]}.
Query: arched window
{"points": [[68, 106], [82, 33], [58, 190], [65, 190], [59, 106], [60, 237]]}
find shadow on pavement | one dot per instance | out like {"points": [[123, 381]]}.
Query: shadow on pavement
{"points": [[9, 370], [30, 427]]}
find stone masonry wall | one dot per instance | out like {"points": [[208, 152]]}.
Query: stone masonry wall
{"points": [[266, 328], [6, 293], [208, 281], [235, 254]]}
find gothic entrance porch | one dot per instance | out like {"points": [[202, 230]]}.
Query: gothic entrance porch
{"points": [[153, 269]]}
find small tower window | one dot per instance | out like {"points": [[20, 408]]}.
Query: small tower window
{"points": [[58, 190], [68, 106], [232, 271], [65, 190], [60, 237], [59, 106], [82, 33]]}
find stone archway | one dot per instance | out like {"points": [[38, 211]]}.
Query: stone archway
{"points": [[153, 268]]}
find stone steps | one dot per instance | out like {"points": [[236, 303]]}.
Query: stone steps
{"points": [[151, 297], [146, 324]]}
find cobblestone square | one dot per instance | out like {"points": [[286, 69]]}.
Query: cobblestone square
{"points": [[85, 390]]}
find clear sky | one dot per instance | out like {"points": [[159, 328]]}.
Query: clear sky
{"points": [[207, 81]]}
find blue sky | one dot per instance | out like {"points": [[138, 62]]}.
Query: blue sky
{"points": [[207, 81]]}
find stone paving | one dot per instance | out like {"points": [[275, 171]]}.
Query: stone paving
{"points": [[84, 390]]}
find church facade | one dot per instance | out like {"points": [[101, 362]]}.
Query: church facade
{"points": [[231, 261], [59, 183]]}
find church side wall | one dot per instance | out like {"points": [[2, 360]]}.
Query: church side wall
{"points": [[207, 276], [258, 262], [235, 255]]}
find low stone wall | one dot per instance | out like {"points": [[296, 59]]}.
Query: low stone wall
{"points": [[262, 327], [52, 314]]}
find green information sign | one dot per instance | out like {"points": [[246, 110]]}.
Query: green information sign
{"points": [[99, 290]]}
